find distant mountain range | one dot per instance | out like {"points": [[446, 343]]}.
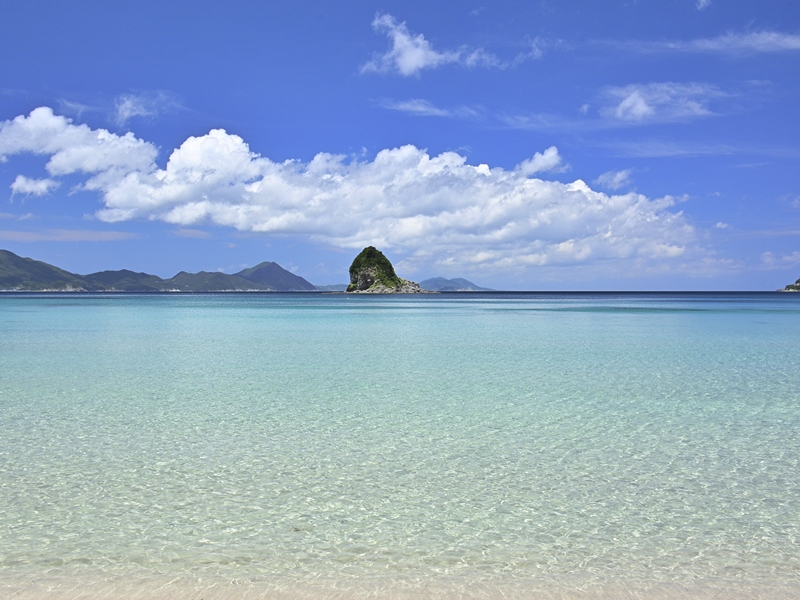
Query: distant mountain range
{"points": [[26, 274], [29, 275], [440, 284]]}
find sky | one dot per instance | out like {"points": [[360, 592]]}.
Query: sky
{"points": [[569, 145]]}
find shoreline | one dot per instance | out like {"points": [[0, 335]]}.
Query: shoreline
{"points": [[71, 587]]}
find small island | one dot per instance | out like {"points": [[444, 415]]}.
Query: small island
{"points": [[792, 287], [373, 273]]}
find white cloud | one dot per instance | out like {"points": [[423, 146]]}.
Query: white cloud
{"points": [[762, 41], [435, 209], [729, 43], [659, 149], [721, 225], [771, 261], [75, 148], [703, 4], [629, 105], [634, 107], [128, 106], [658, 101], [418, 107], [424, 108], [481, 58], [35, 187], [614, 180], [536, 48], [410, 53], [549, 122], [147, 104], [76, 108], [549, 160]]}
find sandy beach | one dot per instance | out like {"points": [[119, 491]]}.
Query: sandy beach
{"points": [[65, 587]]}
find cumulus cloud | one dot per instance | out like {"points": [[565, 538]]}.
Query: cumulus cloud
{"points": [[435, 209], [75, 148], [703, 4], [34, 187], [549, 160], [614, 180], [658, 101]]}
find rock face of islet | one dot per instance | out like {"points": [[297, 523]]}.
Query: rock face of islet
{"points": [[373, 273]]}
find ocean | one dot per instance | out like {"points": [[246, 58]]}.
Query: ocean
{"points": [[439, 446]]}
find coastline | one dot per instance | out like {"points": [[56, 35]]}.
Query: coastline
{"points": [[65, 587]]}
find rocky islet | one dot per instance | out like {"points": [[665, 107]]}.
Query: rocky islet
{"points": [[373, 273]]}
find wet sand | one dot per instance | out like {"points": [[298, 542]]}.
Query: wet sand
{"points": [[61, 587]]}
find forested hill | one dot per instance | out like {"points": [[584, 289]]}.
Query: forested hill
{"points": [[25, 274]]}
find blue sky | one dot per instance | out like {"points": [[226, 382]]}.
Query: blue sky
{"points": [[523, 145]]}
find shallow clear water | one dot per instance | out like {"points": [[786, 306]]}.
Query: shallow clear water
{"points": [[575, 439]]}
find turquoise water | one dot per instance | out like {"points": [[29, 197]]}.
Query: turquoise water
{"points": [[567, 441]]}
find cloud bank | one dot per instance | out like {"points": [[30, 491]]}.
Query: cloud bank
{"points": [[435, 209]]}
